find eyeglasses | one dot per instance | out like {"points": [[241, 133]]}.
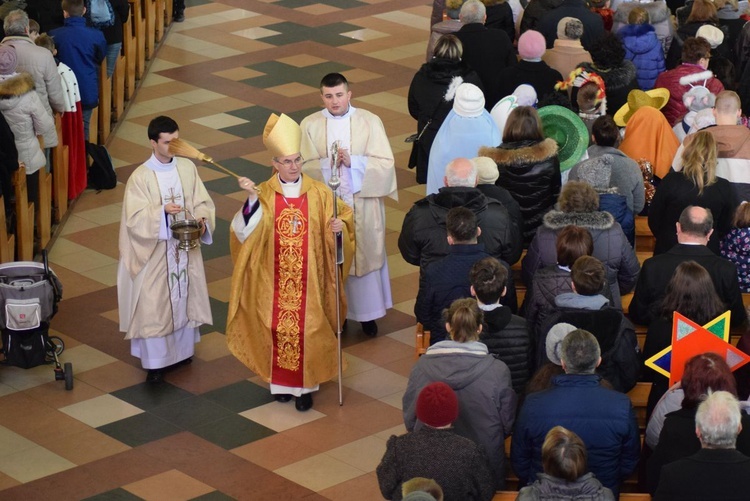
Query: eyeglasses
{"points": [[288, 163]]}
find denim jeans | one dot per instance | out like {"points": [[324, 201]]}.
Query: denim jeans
{"points": [[86, 120], [113, 52]]}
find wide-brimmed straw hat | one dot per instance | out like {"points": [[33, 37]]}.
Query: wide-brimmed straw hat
{"points": [[656, 98]]}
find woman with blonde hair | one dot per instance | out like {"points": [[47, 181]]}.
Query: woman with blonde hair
{"points": [[696, 184], [487, 402], [566, 474]]}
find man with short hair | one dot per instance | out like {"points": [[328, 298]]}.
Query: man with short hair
{"points": [[718, 471], [161, 287], [423, 238], [282, 320], [368, 176], [732, 144], [603, 418], [505, 334], [39, 63], [448, 279], [696, 52], [693, 231], [487, 51], [578, 10]]}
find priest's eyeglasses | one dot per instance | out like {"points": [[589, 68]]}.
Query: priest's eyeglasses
{"points": [[288, 163]]}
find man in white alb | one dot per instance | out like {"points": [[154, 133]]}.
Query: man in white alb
{"points": [[368, 175], [161, 289]]}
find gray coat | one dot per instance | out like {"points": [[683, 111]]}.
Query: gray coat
{"points": [[39, 63], [487, 404], [625, 175], [547, 488], [611, 247]]}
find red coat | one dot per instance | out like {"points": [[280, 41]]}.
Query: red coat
{"points": [[670, 80]]}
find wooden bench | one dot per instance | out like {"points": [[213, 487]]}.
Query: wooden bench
{"points": [[422, 341], [7, 241], [24, 217], [61, 167], [105, 104], [149, 14], [139, 32], [625, 496], [129, 49]]}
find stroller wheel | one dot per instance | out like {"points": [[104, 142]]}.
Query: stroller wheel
{"points": [[68, 376], [55, 344]]}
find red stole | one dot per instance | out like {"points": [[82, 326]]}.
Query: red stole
{"points": [[290, 291]]}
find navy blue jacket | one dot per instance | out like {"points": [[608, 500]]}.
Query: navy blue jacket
{"points": [[603, 418], [83, 49]]}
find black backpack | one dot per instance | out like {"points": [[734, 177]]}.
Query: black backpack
{"points": [[101, 172]]}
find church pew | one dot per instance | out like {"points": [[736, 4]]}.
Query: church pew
{"points": [[422, 341], [44, 208], [129, 44], [644, 239], [159, 20], [625, 496], [139, 30], [105, 104], [7, 241], [24, 217], [60, 168], [168, 12], [149, 13], [118, 88]]}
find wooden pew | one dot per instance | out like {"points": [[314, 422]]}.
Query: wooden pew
{"points": [[149, 13], [24, 217], [644, 239], [139, 30], [129, 45], [639, 398], [159, 20], [44, 209], [168, 12], [105, 104], [118, 88], [422, 341], [625, 496], [61, 167], [7, 241]]}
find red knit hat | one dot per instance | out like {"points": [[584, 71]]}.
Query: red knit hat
{"points": [[437, 405]]}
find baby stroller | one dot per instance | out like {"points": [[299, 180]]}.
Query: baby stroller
{"points": [[29, 293]]}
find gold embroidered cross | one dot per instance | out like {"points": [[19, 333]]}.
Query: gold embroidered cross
{"points": [[173, 197]]}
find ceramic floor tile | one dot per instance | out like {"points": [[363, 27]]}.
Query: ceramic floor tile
{"points": [[24, 379], [105, 275], [356, 365], [219, 121], [149, 396], [83, 261], [396, 430], [275, 451], [232, 432], [192, 413], [280, 416], [171, 485], [381, 350], [319, 472], [86, 446], [6, 389], [11, 442], [366, 487], [54, 395], [101, 410], [376, 383], [364, 454], [212, 347], [103, 215], [139, 429], [85, 358], [31, 464], [325, 433], [405, 336], [112, 377], [393, 399]]}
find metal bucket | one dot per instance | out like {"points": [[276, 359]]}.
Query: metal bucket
{"points": [[187, 232]]}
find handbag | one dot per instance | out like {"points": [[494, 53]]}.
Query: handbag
{"points": [[415, 137]]}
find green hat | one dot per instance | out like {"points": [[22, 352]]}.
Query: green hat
{"points": [[568, 131]]}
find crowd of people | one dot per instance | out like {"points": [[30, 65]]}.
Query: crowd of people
{"points": [[608, 111]]}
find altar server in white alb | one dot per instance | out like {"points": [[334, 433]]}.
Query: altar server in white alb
{"points": [[368, 176], [161, 289]]}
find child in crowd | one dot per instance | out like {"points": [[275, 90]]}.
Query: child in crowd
{"points": [[33, 30], [643, 48], [72, 123], [735, 246], [601, 7]]}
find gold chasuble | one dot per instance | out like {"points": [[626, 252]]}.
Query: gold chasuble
{"points": [[282, 308]]}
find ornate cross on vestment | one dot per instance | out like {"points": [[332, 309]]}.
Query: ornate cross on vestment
{"points": [[296, 223], [172, 198]]}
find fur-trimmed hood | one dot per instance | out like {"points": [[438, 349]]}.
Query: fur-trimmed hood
{"points": [[521, 152], [557, 220], [657, 11], [16, 85]]}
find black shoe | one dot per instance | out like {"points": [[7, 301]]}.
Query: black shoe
{"points": [[178, 17], [303, 403], [282, 397], [155, 376], [370, 328]]}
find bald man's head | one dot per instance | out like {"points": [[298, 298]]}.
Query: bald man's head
{"points": [[461, 172], [728, 108], [695, 224]]}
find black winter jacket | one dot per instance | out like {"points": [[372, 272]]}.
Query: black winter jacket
{"points": [[507, 338], [427, 100], [530, 171], [618, 80], [423, 238]]}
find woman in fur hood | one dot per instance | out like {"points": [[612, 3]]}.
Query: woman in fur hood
{"points": [[24, 112], [579, 206], [528, 167]]}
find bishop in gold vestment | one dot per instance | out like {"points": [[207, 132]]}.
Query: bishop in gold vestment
{"points": [[282, 308]]}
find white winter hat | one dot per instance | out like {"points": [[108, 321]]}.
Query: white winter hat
{"points": [[469, 101]]}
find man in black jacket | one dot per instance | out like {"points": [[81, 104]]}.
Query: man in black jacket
{"points": [[486, 51], [693, 231]]}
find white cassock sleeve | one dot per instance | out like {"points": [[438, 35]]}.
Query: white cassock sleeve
{"points": [[243, 230]]}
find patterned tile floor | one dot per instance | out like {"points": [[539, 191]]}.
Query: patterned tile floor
{"points": [[212, 432]]}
